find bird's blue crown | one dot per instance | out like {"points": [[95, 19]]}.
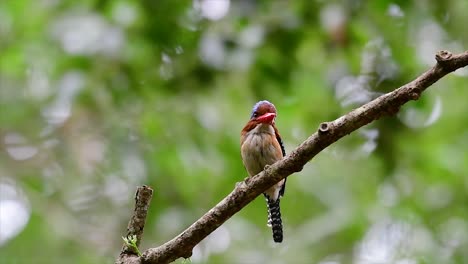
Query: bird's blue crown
{"points": [[258, 104]]}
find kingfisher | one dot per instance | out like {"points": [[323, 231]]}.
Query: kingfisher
{"points": [[261, 145]]}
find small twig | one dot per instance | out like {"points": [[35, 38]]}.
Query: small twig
{"points": [[130, 252]]}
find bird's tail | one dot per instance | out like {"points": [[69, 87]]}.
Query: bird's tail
{"points": [[274, 219]]}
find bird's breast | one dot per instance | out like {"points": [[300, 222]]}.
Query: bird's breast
{"points": [[260, 148]]}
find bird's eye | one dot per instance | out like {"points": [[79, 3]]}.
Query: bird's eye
{"points": [[255, 114]]}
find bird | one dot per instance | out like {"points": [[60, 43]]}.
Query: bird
{"points": [[261, 146]]}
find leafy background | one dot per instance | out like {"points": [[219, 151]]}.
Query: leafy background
{"points": [[99, 96]]}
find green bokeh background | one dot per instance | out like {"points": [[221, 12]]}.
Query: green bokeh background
{"points": [[100, 96]]}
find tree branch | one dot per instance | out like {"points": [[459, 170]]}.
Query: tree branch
{"points": [[328, 132]]}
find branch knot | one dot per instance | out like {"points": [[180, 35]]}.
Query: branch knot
{"points": [[324, 128], [443, 56]]}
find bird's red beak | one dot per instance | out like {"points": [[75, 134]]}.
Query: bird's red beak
{"points": [[266, 118]]}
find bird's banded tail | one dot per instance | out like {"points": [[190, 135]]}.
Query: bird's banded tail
{"points": [[274, 219]]}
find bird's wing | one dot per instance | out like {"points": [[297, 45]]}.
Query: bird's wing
{"points": [[283, 151]]}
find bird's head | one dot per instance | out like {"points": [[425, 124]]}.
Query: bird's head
{"points": [[262, 119], [263, 112]]}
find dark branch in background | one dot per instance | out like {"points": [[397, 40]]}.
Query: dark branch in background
{"points": [[136, 225], [328, 132]]}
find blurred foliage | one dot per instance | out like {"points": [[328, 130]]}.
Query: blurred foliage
{"points": [[99, 96]]}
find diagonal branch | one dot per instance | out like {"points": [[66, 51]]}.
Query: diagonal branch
{"points": [[328, 132]]}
